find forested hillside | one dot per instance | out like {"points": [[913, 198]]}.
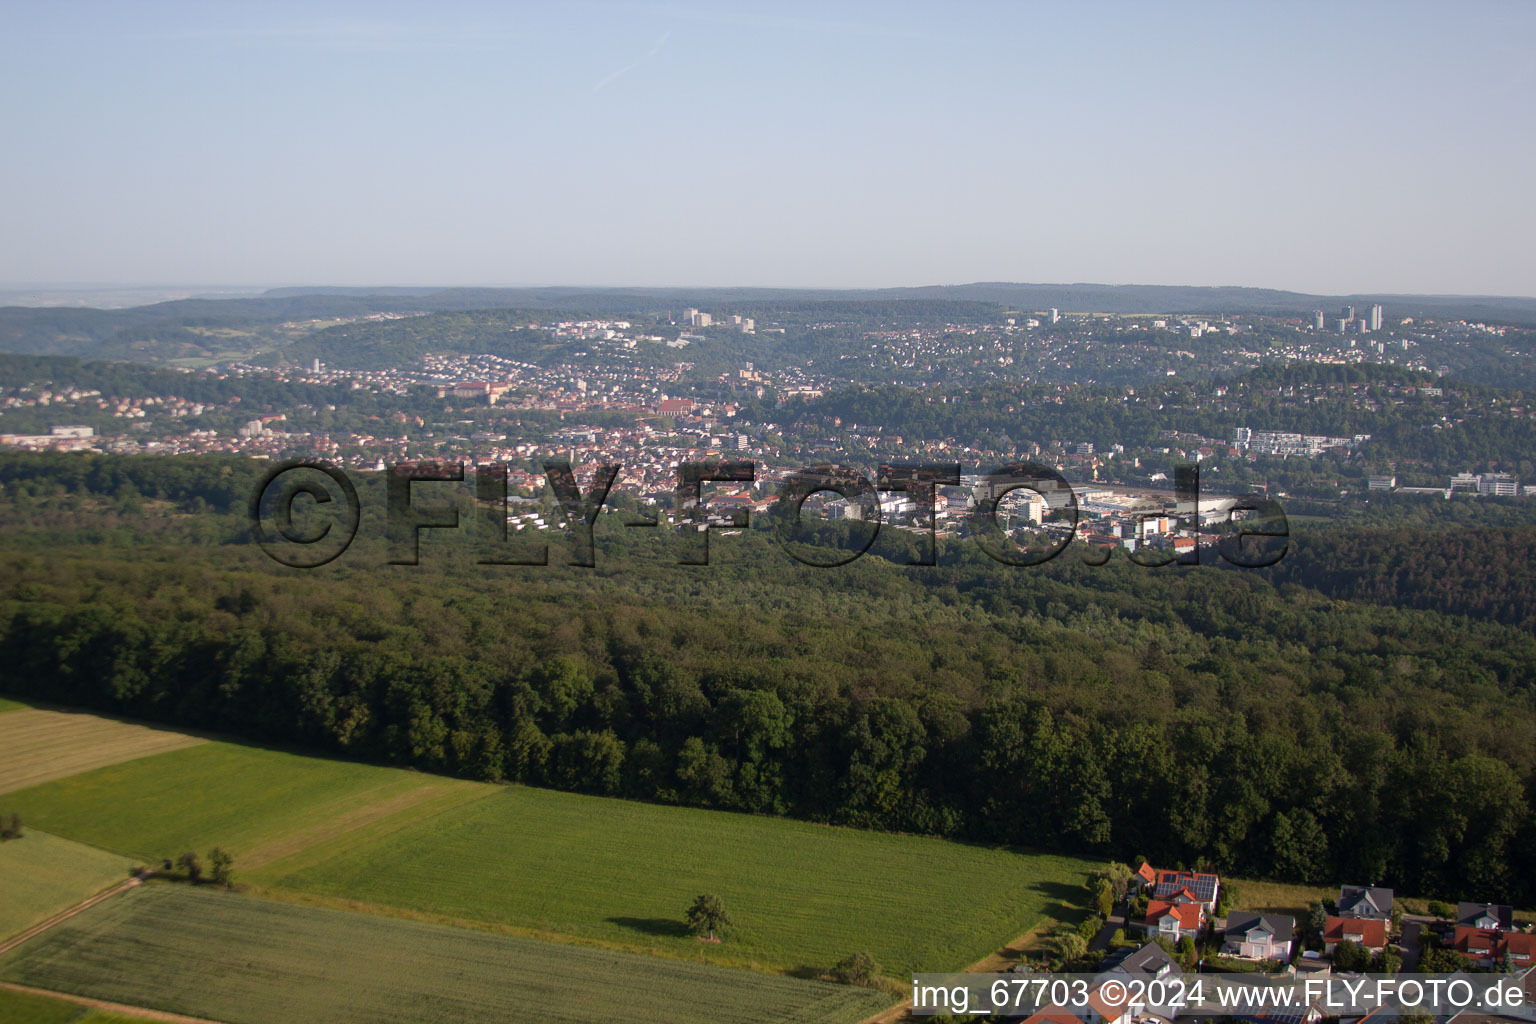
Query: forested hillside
{"points": [[1200, 714]]}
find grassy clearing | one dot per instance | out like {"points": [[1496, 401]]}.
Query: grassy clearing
{"points": [[6, 704], [28, 1008], [43, 745], [1288, 898], [247, 961], [623, 873], [1280, 897], [45, 874], [257, 803]]}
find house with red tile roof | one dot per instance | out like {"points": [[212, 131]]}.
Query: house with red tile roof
{"points": [[1104, 1009], [1487, 947], [1201, 886], [1053, 1015], [1175, 918], [1367, 932]]}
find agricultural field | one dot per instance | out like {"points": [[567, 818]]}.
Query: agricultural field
{"points": [[45, 875], [257, 803], [542, 864], [214, 954], [30, 1008], [6, 704], [42, 745], [622, 873]]}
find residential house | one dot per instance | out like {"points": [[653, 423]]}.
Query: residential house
{"points": [[1484, 915], [1176, 918], [1053, 1015], [1309, 1013], [1371, 902], [1259, 936], [1368, 932], [1487, 947], [1147, 964], [1202, 886], [1111, 1007]]}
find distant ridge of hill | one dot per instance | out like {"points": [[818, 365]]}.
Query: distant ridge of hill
{"points": [[211, 329], [1077, 298]]}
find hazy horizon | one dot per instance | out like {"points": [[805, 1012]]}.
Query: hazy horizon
{"points": [[11, 290]]}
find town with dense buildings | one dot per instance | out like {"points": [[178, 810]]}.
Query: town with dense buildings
{"points": [[631, 391]]}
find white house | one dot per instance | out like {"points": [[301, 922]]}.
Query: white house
{"points": [[1259, 936]]}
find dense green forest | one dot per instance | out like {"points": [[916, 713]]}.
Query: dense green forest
{"points": [[1483, 573], [131, 380], [1283, 723]]}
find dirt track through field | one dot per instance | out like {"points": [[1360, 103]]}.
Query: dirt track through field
{"points": [[59, 918], [996, 961], [99, 1004], [102, 1004], [363, 815]]}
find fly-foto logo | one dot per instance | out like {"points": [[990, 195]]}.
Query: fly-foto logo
{"points": [[306, 514]]}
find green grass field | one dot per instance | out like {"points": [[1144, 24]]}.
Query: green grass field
{"points": [[803, 895], [257, 803], [6, 704], [40, 745], [28, 1008], [232, 958], [45, 874], [540, 863]]}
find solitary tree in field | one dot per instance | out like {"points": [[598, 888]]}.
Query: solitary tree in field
{"points": [[707, 916], [189, 863], [858, 969], [220, 864]]}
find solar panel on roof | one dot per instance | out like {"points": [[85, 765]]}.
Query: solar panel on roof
{"points": [[1202, 885]]}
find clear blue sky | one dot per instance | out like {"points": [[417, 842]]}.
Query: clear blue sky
{"points": [[1319, 147]]}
